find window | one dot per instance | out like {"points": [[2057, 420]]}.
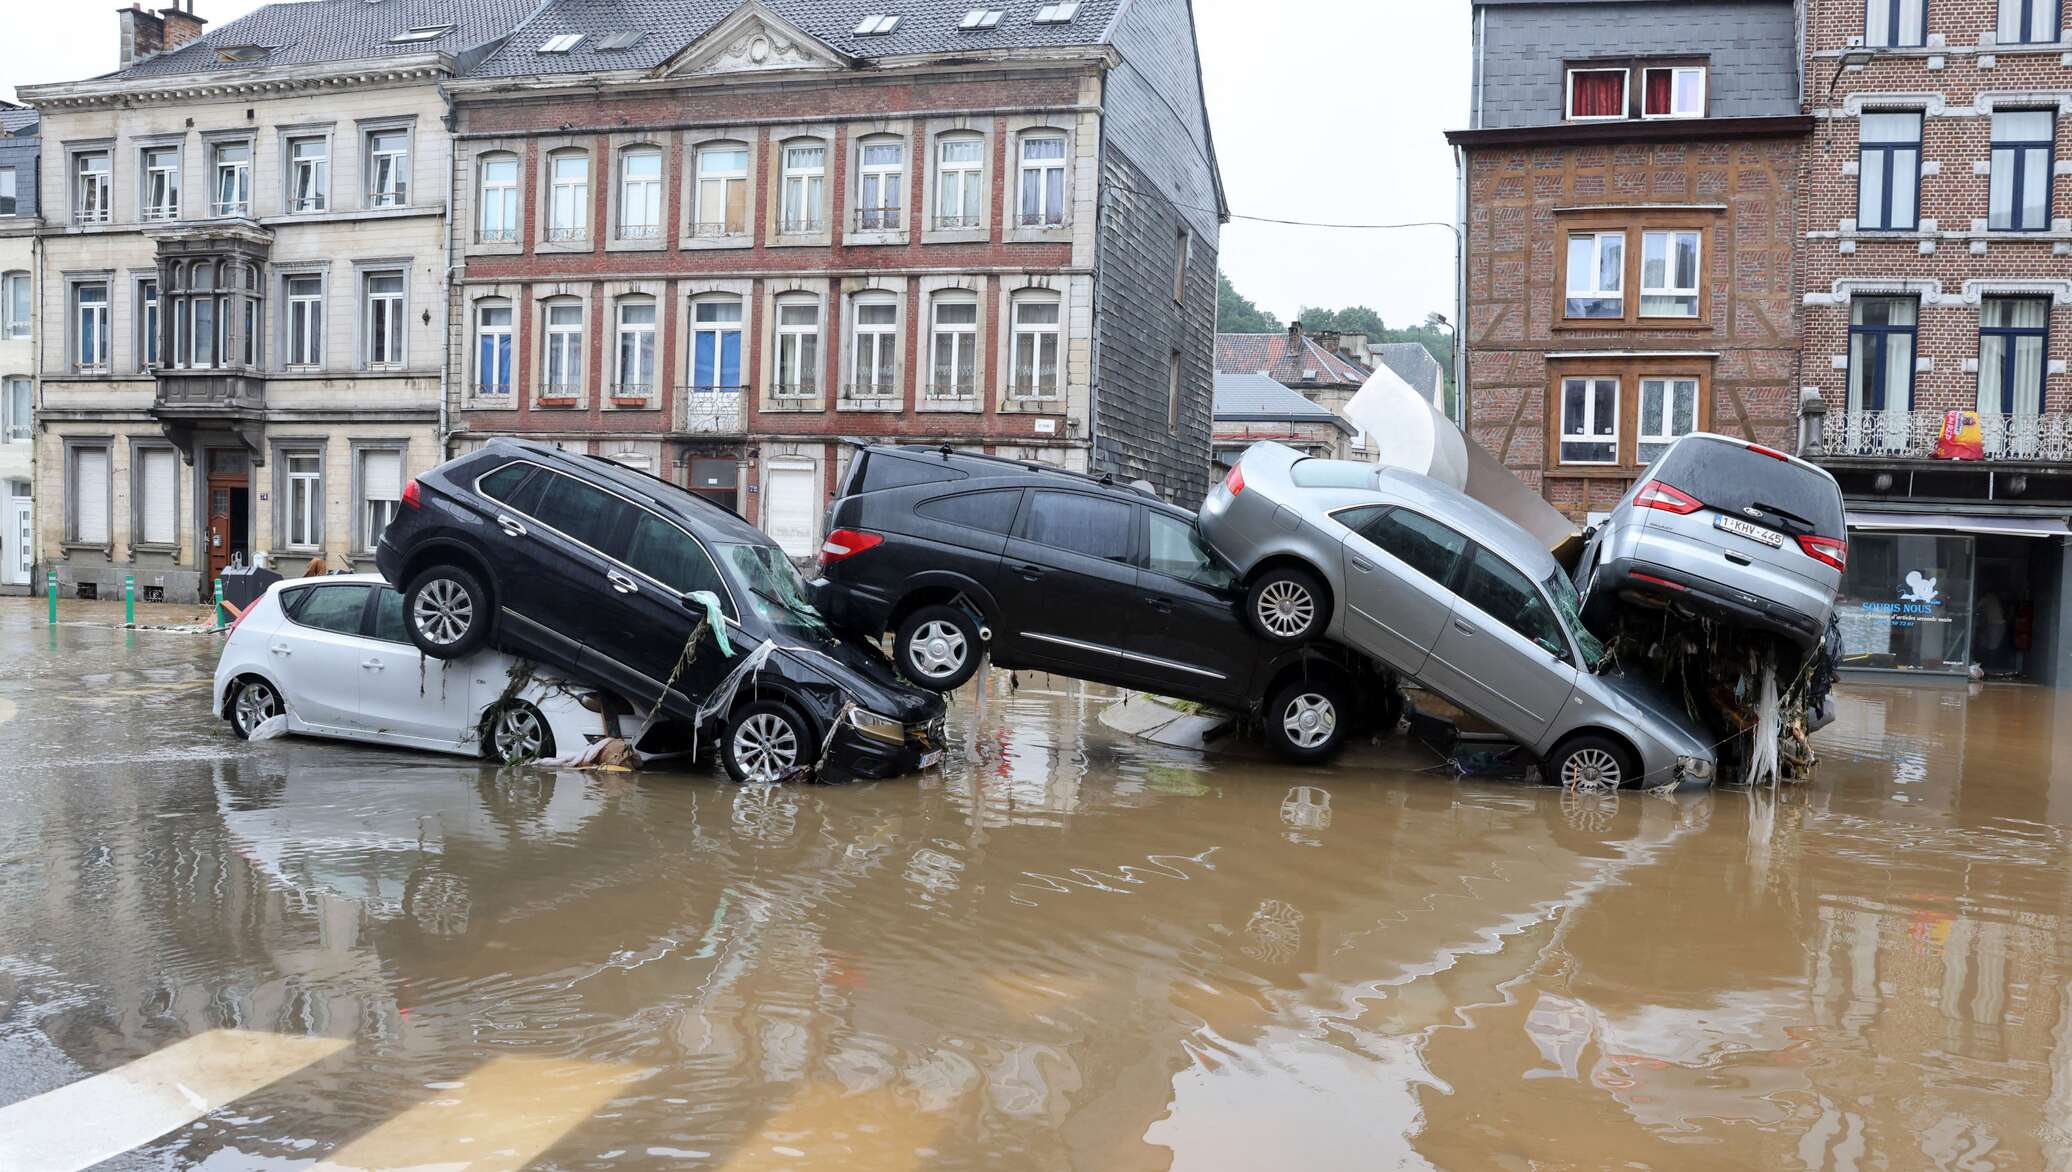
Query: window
{"points": [[716, 344], [205, 331], [1033, 361], [1177, 550], [1501, 592], [589, 515], [19, 409], [16, 309], [493, 349], [91, 187], [161, 183], [798, 348], [1895, 23], [2013, 342], [881, 170], [1596, 275], [1589, 421], [158, 490], [1057, 13], [89, 493], [499, 199], [388, 168], [1668, 409], [1881, 371], [1173, 393], [384, 318], [640, 194], [1596, 94], [564, 365], [2022, 149], [505, 483], [147, 325], [804, 188], [423, 32], [959, 172], [2028, 22], [1415, 540], [1043, 180], [1672, 92], [8, 206], [232, 170], [978, 19], [561, 42], [305, 321], [877, 323], [381, 492], [1888, 176], [618, 42], [309, 174], [721, 202], [1669, 274], [1093, 526], [252, 332], [953, 347], [338, 609], [988, 512], [877, 25], [568, 197], [636, 348], [304, 519], [670, 556], [1183, 252], [90, 327]]}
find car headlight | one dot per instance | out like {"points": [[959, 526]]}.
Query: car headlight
{"points": [[882, 728], [1695, 768]]}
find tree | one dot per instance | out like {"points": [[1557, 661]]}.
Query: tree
{"points": [[1358, 319], [1235, 313]]}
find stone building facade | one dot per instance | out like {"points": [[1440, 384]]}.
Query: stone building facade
{"points": [[20, 147]]}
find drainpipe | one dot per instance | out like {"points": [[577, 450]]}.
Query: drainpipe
{"points": [[446, 283], [1460, 289]]}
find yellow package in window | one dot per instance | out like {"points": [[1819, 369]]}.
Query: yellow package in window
{"points": [[1961, 438]]}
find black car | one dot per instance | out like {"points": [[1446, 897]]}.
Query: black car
{"points": [[961, 555], [600, 572]]}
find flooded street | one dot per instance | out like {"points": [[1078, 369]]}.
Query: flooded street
{"points": [[1064, 949]]}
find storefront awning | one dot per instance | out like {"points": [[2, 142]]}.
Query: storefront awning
{"points": [[1961, 523]]}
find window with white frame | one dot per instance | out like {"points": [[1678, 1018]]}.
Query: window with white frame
{"points": [[148, 325], [8, 195], [1669, 274], [798, 347], [1596, 275], [568, 196], [90, 326], [564, 357], [640, 194], [636, 370], [16, 308], [881, 175], [381, 492], [305, 300], [89, 492], [197, 307], [19, 424], [1895, 23], [304, 473], [499, 220], [384, 317], [720, 203], [309, 174], [1042, 180], [388, 168], [230, 166], [1589, 421], [803, 186], [1672, 91], [953, 347], [875, 354], [2028, 22], [1033, 370], [1595, 95], [493, 348], [960, 161], [1668, 409], [92, 187], [158, 490], [2019, 197], [716, 344], [161, 183]]}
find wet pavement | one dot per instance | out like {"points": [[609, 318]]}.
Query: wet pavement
{"points": [[1063, 949]]}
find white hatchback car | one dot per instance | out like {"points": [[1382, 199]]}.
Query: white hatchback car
{"points": [[332, 655]]}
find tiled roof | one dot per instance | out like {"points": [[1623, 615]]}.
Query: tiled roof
{"points": [[1273, 353], [1256, 397], [1413, 362], [15, 119], [310, 32]]}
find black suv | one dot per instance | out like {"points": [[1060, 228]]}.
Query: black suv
{"points": [[596, 570], [962, 554]]}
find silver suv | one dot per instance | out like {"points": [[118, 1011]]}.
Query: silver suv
{"points": [[1728, 529]]}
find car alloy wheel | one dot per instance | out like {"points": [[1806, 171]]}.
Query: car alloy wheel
{"points": [[1286, 609], [766, 746], [518, 734], [1591, 769], [256, 704], [444, 612], [1309, 720], [938, 650]]}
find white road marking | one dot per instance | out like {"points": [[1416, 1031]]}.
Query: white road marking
{"points": [[7, 710], [97, 1118], [501, 1117]]}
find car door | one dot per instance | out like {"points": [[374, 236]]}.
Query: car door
{"points": [[1397, 566], [560, 577], [316, 655], [1187, 631], [1502, 653], [406, 693], [661, 564], [1068, 588]]}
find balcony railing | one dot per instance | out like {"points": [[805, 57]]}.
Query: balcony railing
{"points": [[567, 235], [958, 223], [793, 397], [871, 395], [1916, 435], [640, 231], [717, 230], [1045, 219], [953, 389], [633, 390], [802, 225], [161, 213], [236, 207], [711, 411], [498, 235], [880, 219], [492, 390]]}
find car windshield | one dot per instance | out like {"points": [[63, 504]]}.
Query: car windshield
{"points": [[1570, 608], [775, 590]]}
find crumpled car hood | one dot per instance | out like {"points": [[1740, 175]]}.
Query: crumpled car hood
{"points": [[864, 672], [1650, 697]]}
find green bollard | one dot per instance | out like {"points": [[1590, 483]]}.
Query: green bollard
{"points": [[219, 603], [52, 592], [129, 600]]}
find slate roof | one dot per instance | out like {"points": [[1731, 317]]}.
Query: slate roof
{"points": [[1413, 362], [314, 32], [1273, 353], [16, 119], [1255, 397]]}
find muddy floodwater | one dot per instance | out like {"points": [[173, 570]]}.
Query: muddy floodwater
{"points": [[1064, 949]]}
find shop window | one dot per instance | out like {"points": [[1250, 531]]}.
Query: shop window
{"points": [[1906, 602]]}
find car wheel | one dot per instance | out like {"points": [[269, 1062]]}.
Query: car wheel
{"points": [[938, 648], [1306, 720], [448, 610], [1286, 605], [765, 741], [1591, 762], [252, 703], [517, 733]]}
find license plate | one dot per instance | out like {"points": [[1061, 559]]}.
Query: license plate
{"points": [[930, 758], [1748, 529]]}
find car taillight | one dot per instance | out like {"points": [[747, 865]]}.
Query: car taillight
{"points": [[1773, 453], [1657, 495], [847, 543], [410, 497], [1235, 482], [1833, 551], [241, 616]]}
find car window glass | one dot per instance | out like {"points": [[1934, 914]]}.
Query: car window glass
{"points": [[388, 616], [333, 608], [1358, 519], [669, 556], [882, 472], [992, 512], [1177, 549], [1420, 542], [1570, 609], [589, 515], [1734, 479], [504, 484], [1505, 595], [1089, 525]]}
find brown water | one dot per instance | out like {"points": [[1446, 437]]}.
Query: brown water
{"points": [[1065, 949]]}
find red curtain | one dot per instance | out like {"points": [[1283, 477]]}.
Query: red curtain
{"points": [[1657, 91], [1600, 94]]}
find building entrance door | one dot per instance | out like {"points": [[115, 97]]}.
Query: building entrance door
{"points": [[716, 479], [230, 511], [18, 541]]}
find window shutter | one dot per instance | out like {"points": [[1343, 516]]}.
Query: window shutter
{"points": [[383, 472], [90, 489], [157, 482]]}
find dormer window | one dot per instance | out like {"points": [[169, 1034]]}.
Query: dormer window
{"points": [[422, 32], [877, 24], [1603, 93], [1596, 94], [1673, 92], [244, 52]]}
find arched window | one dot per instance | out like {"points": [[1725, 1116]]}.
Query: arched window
{"points": [[875, 330], [716, 343], [880, 178], [563, 365], [720, 203], [960, 167], [636, 368], [499, 197], [492, 347], [640, 193], [804, 187], [953, 346], [798, 346], [1042, 179], [568, 196], [1033, 371]]}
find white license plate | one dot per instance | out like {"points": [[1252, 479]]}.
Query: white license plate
{"points": [[930, 758], [1748, 529]]}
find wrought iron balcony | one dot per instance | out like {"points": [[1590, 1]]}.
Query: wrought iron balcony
{"points": [[956, 388], [958, 223], [792, 397], [870, 396], [1916, 435], [568, 234], [640, 231], [798, 225], [159, 213], [711, 411], [880, 219], [717, 230], [497, 236]]}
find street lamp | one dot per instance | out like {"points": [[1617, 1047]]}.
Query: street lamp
{"points": [[1439, 319]]}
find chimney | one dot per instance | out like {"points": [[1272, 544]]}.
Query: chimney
{"points": [[1328, 339], [142, 34], [181, 25], [1294, 330]]}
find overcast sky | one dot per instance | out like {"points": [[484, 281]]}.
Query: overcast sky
{"points": [[1327, 110]]}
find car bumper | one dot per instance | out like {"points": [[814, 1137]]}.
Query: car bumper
{"points": [[856, 756], [1634, 576], [857, 609]]}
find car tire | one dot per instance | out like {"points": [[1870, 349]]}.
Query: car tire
{"points": [[1306, 720], [766, 741], [1591, 762], [1286, 605], [516, 733], [252, 702], [938, 648], [446, 610]]}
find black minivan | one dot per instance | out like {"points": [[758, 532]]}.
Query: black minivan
{"points": [[603, 573], [961, 555]]}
